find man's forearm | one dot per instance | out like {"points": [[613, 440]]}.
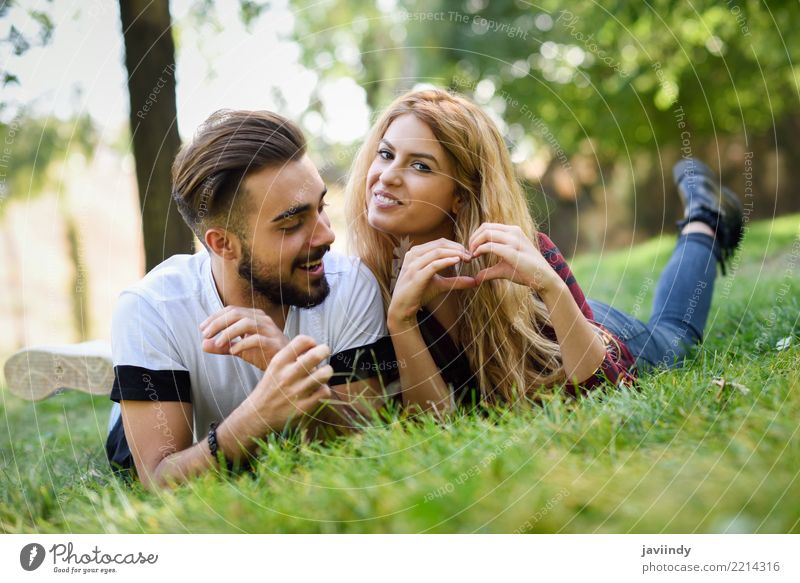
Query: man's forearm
{"points": [[180, 466], [236, 437]]}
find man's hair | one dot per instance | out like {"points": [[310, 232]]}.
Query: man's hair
{"points": [[209, 172]]}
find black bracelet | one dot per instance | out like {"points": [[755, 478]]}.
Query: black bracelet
{"points": [[212, 440]]}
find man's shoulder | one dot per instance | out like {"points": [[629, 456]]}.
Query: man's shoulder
{"points": [[340, 264], [341, 269], [352, 287], [159, 314], [173, 280], [352, 314]]}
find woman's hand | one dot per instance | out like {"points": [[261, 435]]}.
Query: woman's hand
{"points": [[520, 260], [419, 281]]}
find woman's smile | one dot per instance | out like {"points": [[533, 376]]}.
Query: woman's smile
{"points": [[385, 200]]}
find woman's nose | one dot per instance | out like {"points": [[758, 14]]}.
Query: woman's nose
{"points": [[391, 175]]}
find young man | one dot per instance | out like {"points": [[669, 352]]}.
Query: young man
{"points": [[215, 350]]}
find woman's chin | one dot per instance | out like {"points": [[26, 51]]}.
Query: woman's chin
{"points": [[380, 222]]}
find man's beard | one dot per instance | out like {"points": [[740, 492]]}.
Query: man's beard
{"points": [[277, 291]]}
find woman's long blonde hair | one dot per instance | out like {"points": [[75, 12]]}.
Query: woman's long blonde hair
{"points": [[502, 323]]}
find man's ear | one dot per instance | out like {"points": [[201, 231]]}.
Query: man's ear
{"points": [[223, 243]]}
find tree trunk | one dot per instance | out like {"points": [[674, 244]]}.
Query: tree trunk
{"points": [[79, 290], [150, 61], [786, 131]]}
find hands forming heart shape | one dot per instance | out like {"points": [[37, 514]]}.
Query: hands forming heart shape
{"points": [[420, 281]]}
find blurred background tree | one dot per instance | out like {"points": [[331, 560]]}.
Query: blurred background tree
{"points": [[598, 100], [150, 62], [40, 149]]}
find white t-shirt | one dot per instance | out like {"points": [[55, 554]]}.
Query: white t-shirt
{"points": [[157, 344]]}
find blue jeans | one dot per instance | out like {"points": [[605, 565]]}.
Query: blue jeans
{"points": [[680, 307]]}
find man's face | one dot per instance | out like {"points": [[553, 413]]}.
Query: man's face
{"points": [[287, 233]]}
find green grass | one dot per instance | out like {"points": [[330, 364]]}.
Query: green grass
{"points": [[675, 455]]}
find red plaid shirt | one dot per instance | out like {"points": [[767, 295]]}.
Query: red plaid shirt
{"points": [[618, 365]]}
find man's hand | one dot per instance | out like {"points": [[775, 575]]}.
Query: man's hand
{"points": [[293, 387], [260, 337], [160, 434]]}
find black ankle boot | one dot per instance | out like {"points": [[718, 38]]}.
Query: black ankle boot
{"points": [[705, 201]]}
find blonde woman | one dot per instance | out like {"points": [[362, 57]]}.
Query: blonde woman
{"points": [[484, 306]]}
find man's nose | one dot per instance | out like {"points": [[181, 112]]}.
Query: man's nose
{"points": [[323, 234]]}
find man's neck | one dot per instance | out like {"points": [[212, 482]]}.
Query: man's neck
{"points": [[234, 291]]}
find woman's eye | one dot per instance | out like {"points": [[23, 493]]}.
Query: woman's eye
{"points": [[421, 167], [385, 154], [322, 206]]}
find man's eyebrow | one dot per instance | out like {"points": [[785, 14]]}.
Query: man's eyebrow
{"points": [[412, 154], [298, 209]]}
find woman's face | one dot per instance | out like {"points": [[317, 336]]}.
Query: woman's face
{"points": [[410, 184]]}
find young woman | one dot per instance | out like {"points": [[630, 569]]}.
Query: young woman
{"points": [[484, 307]]}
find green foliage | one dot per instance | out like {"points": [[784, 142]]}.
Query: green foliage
{"points": [[16, 43], [678, 454], [354, 40], [30, 146], [620, 73]]}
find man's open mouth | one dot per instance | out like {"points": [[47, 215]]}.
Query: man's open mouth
{"points": [[312, 267]]}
